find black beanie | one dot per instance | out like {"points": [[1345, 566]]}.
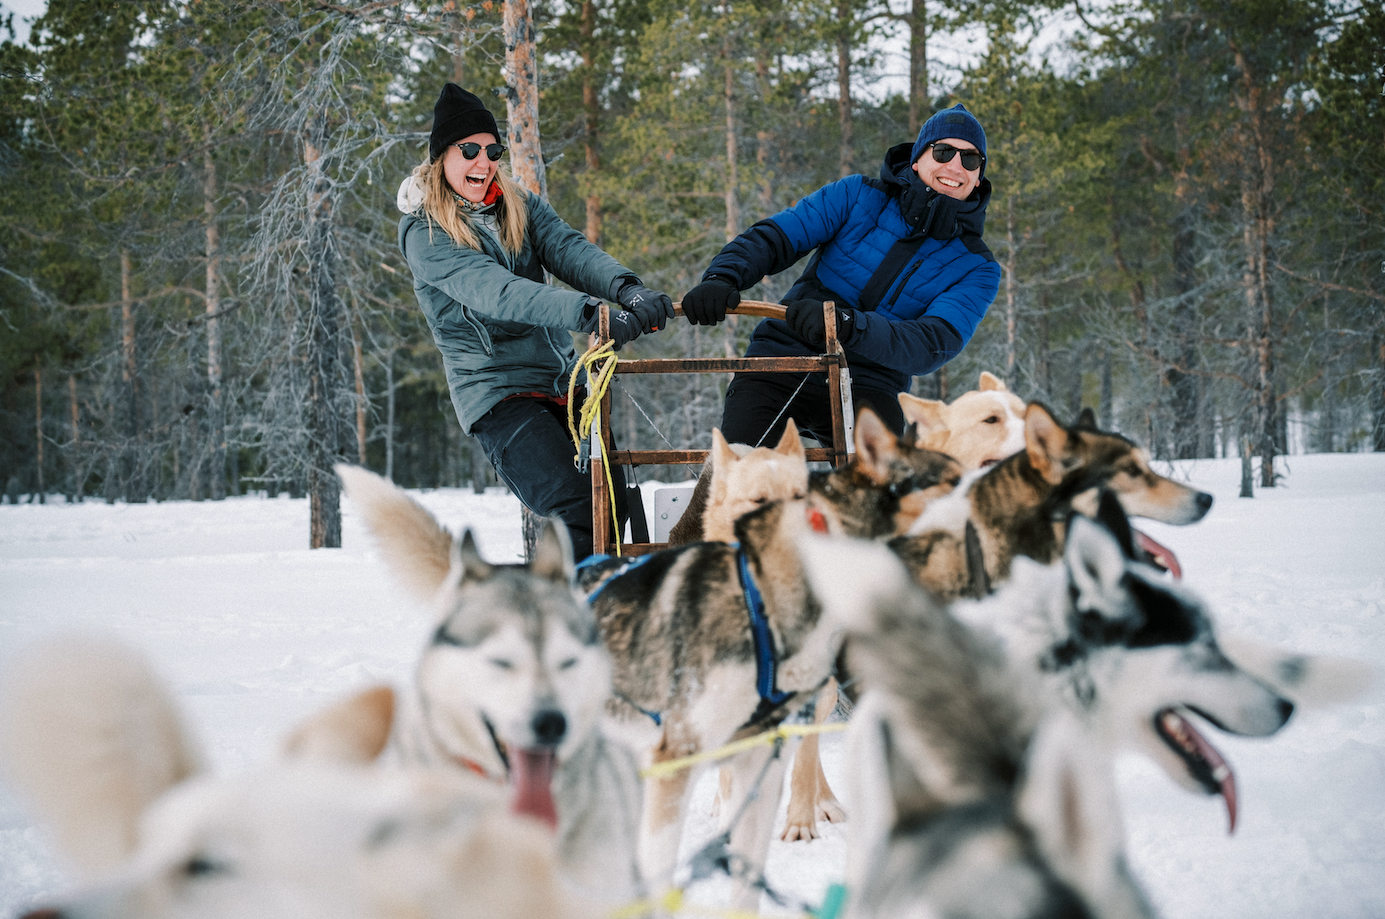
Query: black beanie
{"points": [[458, 114]]}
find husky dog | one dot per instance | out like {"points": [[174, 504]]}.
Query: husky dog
{"points": [[95, 743], [1102, 654], [964, 544], [749, 477], [512, 684], [979, 428], [710, 642]]}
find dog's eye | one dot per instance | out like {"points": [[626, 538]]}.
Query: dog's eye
{"points": [[568, 664], [994, 419], [502, 664], [201, 866]]}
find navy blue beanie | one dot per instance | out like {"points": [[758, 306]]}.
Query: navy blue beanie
{"points": [[458, 114], [951, 122]]}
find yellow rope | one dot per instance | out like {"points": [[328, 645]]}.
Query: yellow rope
{"points": [[668, 767], [603, 358]]}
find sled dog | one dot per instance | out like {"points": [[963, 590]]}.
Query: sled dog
{"points": [[710, 642], [939, 760], [512, 683], [979, 428], [93, 740], [1110, 656], [966, 543]]}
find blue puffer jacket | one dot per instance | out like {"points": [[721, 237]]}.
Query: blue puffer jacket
{"points": [[909, 260]]}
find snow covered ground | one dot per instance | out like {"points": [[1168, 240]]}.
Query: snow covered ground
{"points": [[254, 631]]}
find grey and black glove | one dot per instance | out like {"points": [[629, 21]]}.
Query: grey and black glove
{"points": [[624, 325], [809, 326], [653, 309], [707, 303]]}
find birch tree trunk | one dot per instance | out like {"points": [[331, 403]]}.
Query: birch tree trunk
{"points": [[1257, 212], [522, 98], [38, 427], [917, 21], [216, 398], [591, 119], [845, 121], [323, 342], [526, 147], [1011, 304], [131, 479]]}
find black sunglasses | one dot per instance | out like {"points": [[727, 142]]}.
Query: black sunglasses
{"points": [[471, 151], [971, 159]]}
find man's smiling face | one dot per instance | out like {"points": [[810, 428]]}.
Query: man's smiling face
{"points": [[948, 178]]}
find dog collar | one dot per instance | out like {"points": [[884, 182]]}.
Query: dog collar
{"points": [[770, 697], [629, 565]]}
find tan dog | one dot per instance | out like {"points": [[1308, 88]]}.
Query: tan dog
{"points": [[750, 479], [978, 428]]}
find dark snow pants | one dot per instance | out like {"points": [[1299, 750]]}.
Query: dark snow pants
{"points": [[527, 440]]}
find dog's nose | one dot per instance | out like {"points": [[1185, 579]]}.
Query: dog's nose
{"points": [[1204, 502], [549, 726]]}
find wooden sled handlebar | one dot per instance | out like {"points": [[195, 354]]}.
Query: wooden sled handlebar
{"points": [[760, 308]]}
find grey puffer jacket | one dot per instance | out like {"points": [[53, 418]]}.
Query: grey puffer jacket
{"points": [[500, 328]]}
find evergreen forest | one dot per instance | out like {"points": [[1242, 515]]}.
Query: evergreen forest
{"points": [[202, 295]]}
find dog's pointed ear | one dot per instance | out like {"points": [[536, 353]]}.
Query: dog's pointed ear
{"points": [[414, 546], [1086, 420], [928, 415], [1045, 441], [90, 736], [353, 731], [876, 446], [467, 561], [990, 381], [553, 553], [1095, 565], [1112, 516], [722, 459], [790, 445]]}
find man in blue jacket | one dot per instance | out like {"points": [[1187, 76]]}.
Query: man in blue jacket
{"points": [[901, 257]]}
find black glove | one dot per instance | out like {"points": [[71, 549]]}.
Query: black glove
{"points": [[652, 308], [806, 321], [624, 325], [707, 303]]}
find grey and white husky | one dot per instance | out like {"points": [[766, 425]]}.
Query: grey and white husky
{"points": [[512, 683], [983, 751]]}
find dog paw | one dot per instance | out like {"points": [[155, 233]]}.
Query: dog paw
{"points": [[795, 832], [830, 809]]}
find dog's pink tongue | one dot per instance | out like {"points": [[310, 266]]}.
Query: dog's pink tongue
{"points": [[531, 780], [1161, 554], [1188, 737]]}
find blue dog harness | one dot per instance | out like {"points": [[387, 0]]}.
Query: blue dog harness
{"points": [[765, 661]]}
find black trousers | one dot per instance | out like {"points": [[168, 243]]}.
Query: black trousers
{"points": [[755, 410], [529, 445]]}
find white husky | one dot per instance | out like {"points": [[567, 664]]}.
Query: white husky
{"points": [[512, 684], [94, 742]]}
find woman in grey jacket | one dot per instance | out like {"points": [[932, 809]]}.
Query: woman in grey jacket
{"points": [[478, 245]]}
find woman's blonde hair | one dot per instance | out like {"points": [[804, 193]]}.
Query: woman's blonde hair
{"points": [[442, 208]]}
